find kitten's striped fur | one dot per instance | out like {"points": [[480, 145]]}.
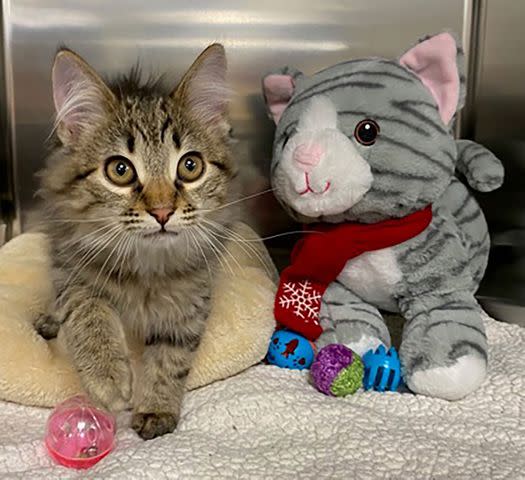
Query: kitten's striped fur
{"points": [[116, 267]]}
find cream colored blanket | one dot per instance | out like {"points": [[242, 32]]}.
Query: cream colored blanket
{"points": [[270, 423]]}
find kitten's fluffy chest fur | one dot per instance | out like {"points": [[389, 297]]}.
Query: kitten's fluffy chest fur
{"points": [[156, 295], [156, 289]]}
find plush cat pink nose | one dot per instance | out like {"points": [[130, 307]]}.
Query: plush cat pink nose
{"points": [[162, 215], [307, 156]]}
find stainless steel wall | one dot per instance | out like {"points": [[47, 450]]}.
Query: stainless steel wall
{"points": [[499, 122], [167, 34]]}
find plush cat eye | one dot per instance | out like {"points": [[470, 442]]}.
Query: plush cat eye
{"points": [[190, 167], [120, 171], [366, 132]]}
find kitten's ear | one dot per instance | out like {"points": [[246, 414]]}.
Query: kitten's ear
{"points": [[434, 61], [203, 92], [81, 97]]}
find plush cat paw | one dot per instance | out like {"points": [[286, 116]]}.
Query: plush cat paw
{"points": [[451, 382], [110, 386], [151, 425], [483, 181]]}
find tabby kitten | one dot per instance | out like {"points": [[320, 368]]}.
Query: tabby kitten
{"points": [[136, 175]]}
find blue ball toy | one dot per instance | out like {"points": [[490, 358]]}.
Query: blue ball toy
{"points": [[382, 369], [290, 350]]}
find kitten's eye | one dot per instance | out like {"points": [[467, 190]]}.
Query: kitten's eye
{"points": [[190, 167], [120, 171], [366, 132]]}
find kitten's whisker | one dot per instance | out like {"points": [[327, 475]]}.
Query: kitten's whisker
{"points": [[219, 253], [88, 258], [225, 251], [129, 249], [243, 199], [88, 246], [234, 236], [242, 242], [283, 234], [120, 254], [74, 241], [92, 253], [74, 220], [187, 247], [120, 250], [219, 259], [86, 250], [101, 269], [202, 252]]}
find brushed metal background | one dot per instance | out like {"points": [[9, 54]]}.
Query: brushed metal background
{"points": [[166, 35]]}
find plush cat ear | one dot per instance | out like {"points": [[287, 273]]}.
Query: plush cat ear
{"points": [[203, 91], [80, 95], [434, 61], [278, 89]]}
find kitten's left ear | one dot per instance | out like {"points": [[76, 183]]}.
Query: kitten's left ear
{"points": [[203, 90], [434, 61], [81, 97]]}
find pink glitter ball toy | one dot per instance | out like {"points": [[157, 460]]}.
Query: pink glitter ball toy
{"points": [[78, 434]]}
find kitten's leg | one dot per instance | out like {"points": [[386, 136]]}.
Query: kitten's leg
{"points": [[96, 343], [47, 324], [167, 361], [444, 347], [347, 319]]}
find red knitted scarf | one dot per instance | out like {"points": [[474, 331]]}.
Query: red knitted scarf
{"points": [[319, 257]]}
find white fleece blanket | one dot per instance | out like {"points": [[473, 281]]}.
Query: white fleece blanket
{"points": [[270, 423]]}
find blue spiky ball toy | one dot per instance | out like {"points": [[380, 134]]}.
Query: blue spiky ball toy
{"points": [[382, 369]]}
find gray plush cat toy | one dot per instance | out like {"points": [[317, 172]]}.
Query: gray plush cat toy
{"points": [[364, 154]]}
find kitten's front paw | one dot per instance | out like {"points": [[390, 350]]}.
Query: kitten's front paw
{"points": [[151, 425], [47, 326], [110, 387]]}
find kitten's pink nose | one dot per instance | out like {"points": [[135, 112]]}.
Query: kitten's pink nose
{"points": [[162, 215], [307, 156]]}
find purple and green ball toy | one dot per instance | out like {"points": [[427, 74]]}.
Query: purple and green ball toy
{"points": [[337, 371]]}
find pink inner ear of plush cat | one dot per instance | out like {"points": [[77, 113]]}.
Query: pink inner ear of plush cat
{"points": [[434, 62], [278, 90]]}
